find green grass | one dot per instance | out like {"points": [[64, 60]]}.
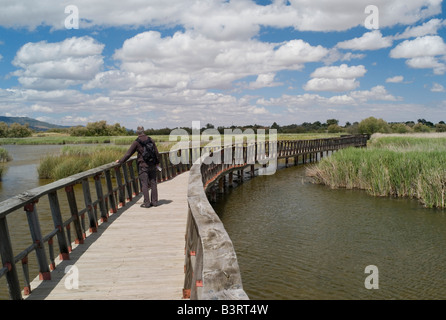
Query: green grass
{"points": [[306, 136], [56, 139], [76, 159], [4, 157], [391, 166], [42, 139]]}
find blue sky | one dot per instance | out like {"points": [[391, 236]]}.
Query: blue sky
{"points": [[166, 63]]}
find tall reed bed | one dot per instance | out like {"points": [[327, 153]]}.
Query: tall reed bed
{"points": [[390, 166], [76, 159], [66, 139], [4, 157]]}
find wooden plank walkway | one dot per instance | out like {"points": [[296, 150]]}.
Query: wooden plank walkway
{"points": [[138, 254]]}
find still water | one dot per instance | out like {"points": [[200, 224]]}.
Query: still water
{"points": [[21, 173], [298, 240]]}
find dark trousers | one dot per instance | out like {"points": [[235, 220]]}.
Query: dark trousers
{"points": [[147, 178]]}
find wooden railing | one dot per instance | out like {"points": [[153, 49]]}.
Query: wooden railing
{"points": [[114, 185], [211, 267]]}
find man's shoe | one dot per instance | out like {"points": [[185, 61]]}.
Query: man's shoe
{"points": [[145, 205], [154, 204]]}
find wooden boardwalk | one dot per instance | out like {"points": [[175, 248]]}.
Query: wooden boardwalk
{"points": [[179, 249], [137, 254]]}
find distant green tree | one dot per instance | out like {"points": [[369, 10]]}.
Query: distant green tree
{"points": [[17, 130], [78, 131], [372, 125], [3, 129], [98, 128], [116, 130], [426, 123], [353, 128], [276, 126], [440, 127], [334, 128], [420, 127], [400, 128], [332, 121]]}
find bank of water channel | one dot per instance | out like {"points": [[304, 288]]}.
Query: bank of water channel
{"points": [[298, 240]]}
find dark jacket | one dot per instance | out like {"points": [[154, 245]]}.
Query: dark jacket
{"points": [[136, 147]]}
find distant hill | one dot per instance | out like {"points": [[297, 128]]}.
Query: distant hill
{"points": [[32, 123]]}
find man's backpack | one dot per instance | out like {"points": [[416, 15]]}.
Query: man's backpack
{"points": [[149, 153]]}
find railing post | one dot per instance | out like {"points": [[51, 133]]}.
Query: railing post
{"points": [[188, 248], [7, 256], [127, 182], [184, 160], [100, 194], [132, 177], [80, 236], [164, 165], [58, 223], [197, 281], [120, 187], [25, 269], [88, 204], [193, 265], [36, 235], [111, 197]]}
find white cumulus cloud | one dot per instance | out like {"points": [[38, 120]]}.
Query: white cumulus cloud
{"points": [[436, 87], [422, 53], [395, 79], [372, 40], [428, 28], [46, 65], [217, 18], [188, 60], [335, 78]]}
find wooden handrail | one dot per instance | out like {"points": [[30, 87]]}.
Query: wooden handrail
{"points": [[211, 267], [117, 192]]}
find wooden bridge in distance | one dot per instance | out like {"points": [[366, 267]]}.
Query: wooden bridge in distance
{"points": [[118, 250]]}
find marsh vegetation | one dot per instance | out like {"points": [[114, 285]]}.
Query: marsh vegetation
{"points": [[411, 166]]}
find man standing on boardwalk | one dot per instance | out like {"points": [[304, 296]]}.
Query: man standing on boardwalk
{"points": [[146, 168]]}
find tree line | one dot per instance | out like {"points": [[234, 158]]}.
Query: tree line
{"points": [[15, 130], [366, 126], [369, 126]]}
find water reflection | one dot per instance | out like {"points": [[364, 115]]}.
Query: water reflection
{"points": [[297, 240]]}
